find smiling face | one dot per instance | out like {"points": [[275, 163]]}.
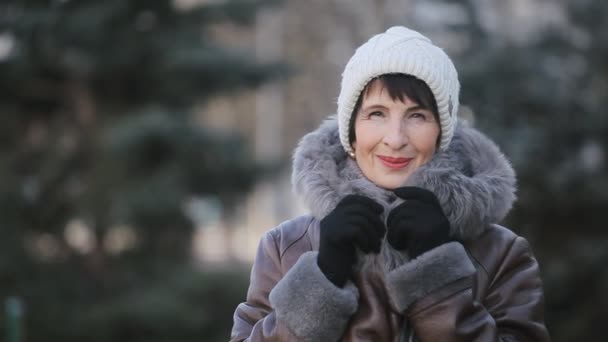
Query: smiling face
{"points": [[393, 135]]}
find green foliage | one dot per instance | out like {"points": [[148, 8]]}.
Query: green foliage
{"points": [[126, 51], [186, 307], [181, 305], [97, 132]]}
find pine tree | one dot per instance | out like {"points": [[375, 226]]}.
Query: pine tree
{"points": [[97, 137]]}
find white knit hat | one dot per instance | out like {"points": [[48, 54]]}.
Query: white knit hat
{"points": [[400, 50]]}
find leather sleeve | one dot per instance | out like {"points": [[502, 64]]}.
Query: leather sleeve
{"points": [[254, 320], [296, 303], [511, 309]]}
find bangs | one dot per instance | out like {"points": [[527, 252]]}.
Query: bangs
{"points": [[400, 86]]}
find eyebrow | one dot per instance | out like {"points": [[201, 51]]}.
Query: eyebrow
{"points": [[418, 107], [379, 106], [374, 106]]}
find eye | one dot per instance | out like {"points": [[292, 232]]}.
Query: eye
{"points": [[418, 116], [376, 113]]}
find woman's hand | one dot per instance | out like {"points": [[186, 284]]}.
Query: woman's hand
{"points": [[355, 222], [418, 224]]}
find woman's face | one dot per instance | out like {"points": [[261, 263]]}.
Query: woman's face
{"points": [[393, 138]]}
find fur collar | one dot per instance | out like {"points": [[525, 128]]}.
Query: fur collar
{"points": [[473, 180]]}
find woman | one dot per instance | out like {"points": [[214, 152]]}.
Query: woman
{"points": [[402, 243]]}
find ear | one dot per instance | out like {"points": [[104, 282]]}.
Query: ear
{"points": [[353, 148]]}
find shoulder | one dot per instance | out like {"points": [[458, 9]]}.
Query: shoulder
{"points": [[498, 247], [496, 234], [290, 238]]}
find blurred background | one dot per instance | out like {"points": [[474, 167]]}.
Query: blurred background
{"points": [[145, 146]]}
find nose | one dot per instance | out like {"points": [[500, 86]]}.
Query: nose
{"points": [[395, 136]]}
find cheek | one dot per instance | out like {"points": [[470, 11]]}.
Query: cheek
{"points": [[426, 144], [367, 137]]}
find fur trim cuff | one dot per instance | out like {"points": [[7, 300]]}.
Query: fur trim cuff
{"points": [[311, 306], [427, 273]]}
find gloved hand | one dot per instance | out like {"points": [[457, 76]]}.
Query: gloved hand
{"points": [[418, 224], [354, 223]]}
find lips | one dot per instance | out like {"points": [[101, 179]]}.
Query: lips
{"points": [[395, 163]]}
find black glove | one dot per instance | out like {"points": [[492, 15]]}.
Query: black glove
{"points": [[418, 224], [355, 222]]}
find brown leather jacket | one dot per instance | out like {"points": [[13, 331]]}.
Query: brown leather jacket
{"points": [[485, 286], [501, 301]]}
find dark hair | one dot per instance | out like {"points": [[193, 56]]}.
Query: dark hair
{"points": [[398, 86]]}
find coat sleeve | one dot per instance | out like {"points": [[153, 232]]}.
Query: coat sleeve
{"points": [[446, 310], [300, 305]]}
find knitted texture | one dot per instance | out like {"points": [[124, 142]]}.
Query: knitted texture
{"points": [[400, 50]]}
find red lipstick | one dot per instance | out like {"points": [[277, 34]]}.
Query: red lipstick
{"points": [[395, 163]]}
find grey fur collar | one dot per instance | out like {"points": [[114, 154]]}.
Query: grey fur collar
{"points": [[473, 181]]}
